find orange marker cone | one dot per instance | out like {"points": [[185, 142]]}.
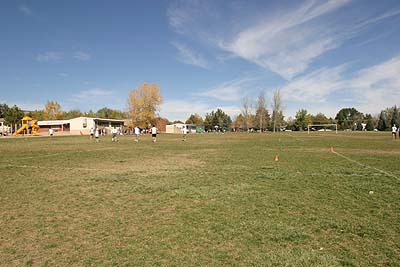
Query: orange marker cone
{"points": [[331, 148], [276, 157]]}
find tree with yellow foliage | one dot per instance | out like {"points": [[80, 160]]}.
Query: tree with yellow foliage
{"points": [[143, 103], [53, 111]]}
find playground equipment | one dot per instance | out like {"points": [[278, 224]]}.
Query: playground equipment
{"points": [[29, 125]]}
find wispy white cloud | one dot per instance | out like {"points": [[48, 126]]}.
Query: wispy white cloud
{"points": [[232, 90], [178, 17], [369, 89], [378, 86], [284, 41], [183, 14], [287, 43], [188, 56], [81, 56], [54, 56], [366, 23], [315, 86], [25, 9], [50, 56], [92, 93]]}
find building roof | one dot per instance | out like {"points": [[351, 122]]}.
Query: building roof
{"points": [[98, 119], [102, 119], [61, 122], [53, 122]]}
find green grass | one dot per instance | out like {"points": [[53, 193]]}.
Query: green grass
{"points": [[214, 200]]}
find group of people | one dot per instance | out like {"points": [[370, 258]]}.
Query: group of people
{"points": [[153, 130], [394, 131], [95, 133]]}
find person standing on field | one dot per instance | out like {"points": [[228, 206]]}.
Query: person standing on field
{"points": [[137, 133], [96, 134], [154, 133], [184, 132], [91, 133], [114, 132], [394, 131]]}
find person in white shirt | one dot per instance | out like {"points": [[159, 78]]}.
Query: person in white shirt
{"points": [[51, 132], [91, 133], [96, 134], [184, 133], [114, 132], [154, 133], [137, 133], [394, 131]]}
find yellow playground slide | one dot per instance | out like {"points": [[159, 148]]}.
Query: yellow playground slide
{"points": [[35, 127], [28, 123], [21, 129]]}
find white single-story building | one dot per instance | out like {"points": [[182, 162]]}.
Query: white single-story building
{"points": [[57, 125], [177, 128], [80, 125]]}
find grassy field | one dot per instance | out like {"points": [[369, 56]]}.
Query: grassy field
{"points": [[214, 200]]}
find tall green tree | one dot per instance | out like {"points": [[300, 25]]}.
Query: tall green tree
{"points": [[320, 118], [395, 117], [387, 118], [302, 119], [3, 110], [348, 117], [13, 115], [217, 118], [370, 123], [382, 125]]}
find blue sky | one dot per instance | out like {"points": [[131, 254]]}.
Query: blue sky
{"points": [[322, 55]]}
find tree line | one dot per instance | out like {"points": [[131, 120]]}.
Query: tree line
{"points": [[255, 115]]}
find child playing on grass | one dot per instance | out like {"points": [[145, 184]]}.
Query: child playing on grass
{"points": [[96, 134], [114, 133], [184, 132], [137, 133], [91, 133], [394, 131], [154, 133]]}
